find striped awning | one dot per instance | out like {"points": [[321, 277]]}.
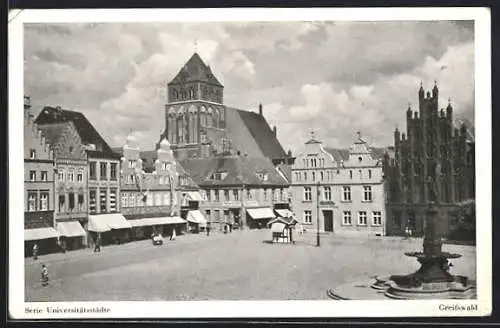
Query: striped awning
{"points": [[146, 222], [40, 233], [196, 217], [261, 213], [107, 222], [71, 229]]}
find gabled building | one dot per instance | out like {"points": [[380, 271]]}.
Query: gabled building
{"points": [[433, 161], [154, 190], [339, 189], [71, 182], [238, 190], [38, 187], [103, 173]]}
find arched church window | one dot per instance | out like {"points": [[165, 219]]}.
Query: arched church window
{"points": [[191, 93], [175, 95]]}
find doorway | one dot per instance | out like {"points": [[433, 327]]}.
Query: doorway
{"points": [[328, 219]]}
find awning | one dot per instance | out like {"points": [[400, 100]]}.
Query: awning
{"points": [[71, 229], [156, 221], [194, 196], [278, 227], [196, 217], [40, 233], [284, 213], [261, 213], [106, 222]]}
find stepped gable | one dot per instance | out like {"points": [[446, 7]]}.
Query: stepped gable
{"points": [[195, 70], [262, 134], [86, 130], [238, 168]]}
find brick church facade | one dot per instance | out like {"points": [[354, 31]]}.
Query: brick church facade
{"points": [[432, 162]]}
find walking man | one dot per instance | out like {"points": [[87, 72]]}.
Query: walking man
{"points": [[173, 234], [97, 247], [208, 229], [45, 276], [35, 251]]}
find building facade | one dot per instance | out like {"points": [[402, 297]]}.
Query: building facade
{"points": [[70, 183], [433, 161], [103, 173], [342, 191], [237, 190], [38, 186]]}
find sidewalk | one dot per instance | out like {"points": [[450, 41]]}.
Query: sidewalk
{"points": [[187, 238]]}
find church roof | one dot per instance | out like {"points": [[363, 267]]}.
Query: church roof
{"points": [[262, 134], [85, 129], [195, 70], [239, 169]]}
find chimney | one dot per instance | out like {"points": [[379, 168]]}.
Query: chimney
{"points": [[274, 130], [260, 109]]}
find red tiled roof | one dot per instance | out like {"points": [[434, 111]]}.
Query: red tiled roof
{"points": [[261, 133], [195, 70]]}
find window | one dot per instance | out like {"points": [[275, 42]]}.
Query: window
{"points": [[71, 201], [31, 201], [249, 194], [132, 198], [305, 176], [369, 174], [346, 194], [131, 179], [113, 167], [124, 200], [209, 194], [164, 165], [362, 218], [44, 175], [103, 171], [81, 202], [327, 193], [282, 195], [308, 217], [32, 175], [92, 201], [236, 194], [44, 201], [32, 153], [346, 218], [367, 193], [307, 194], [350, 174], [62, 201], [273, 195], [226, 195], [71, 176], [112, 200], [266, 194], [377, 218], [92, 171], [131, 164], [360, 174], [322, 176], [217, 196], [60, 175], [313, 176], [79, 176], [103, 198]]}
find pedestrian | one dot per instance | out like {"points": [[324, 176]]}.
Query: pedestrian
{"points": [[208, 229], [45, 276], [173, 234], [230, 227], [97, 247], [35, 251]]}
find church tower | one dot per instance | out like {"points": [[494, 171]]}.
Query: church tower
{"points": [[195, 115]]}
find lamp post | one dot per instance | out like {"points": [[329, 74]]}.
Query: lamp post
{"points": [[317, 215]]}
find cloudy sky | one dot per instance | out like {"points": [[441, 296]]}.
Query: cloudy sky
{"points": [[335, 78]]}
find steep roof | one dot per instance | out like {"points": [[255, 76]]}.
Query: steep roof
{"points": [[195, 70], [86, 130], [52, 132], [239, 170], [340, 154], [262, 133], [148, 160]]}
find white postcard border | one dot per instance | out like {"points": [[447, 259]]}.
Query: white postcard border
{"points": [[250, 309]]}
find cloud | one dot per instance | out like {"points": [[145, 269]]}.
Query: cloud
{"points": [[333, 78]]}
